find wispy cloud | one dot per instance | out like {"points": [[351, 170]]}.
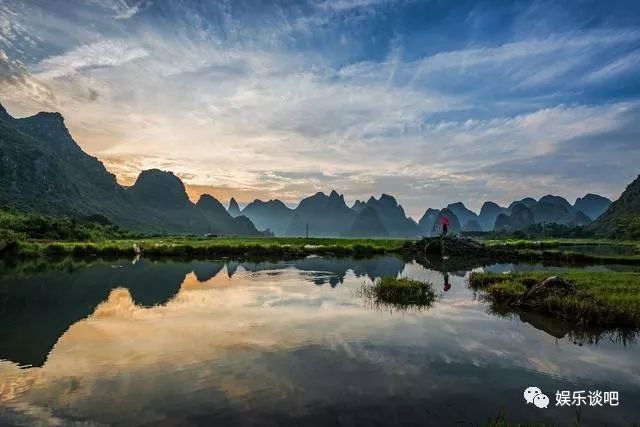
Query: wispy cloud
{"points": [[626, 64], [122, 9], [106, 53], [284, 100]]}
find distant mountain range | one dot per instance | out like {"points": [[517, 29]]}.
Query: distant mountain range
{"points": [[323, 215], [43, 169]]}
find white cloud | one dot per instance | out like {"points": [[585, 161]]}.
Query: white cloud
{"points": [[122, 9], [625, 64], [247, 110], [106, 53]]}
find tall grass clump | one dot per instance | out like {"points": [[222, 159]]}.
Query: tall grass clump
{"points": [[399, 293]]}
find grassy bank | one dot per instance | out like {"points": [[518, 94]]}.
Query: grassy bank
{"points": [[555, 243], [574, 258], [604, 299], [399, 293], [207, 247]]}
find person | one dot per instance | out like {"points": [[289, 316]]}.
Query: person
{"points": [[444, 221], [447, 285]]}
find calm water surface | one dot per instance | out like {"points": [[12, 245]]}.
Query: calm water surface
{"points": [[285, 343]]}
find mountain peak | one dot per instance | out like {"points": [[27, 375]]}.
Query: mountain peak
{"points": [[49, 127], [53, 116], [457, 205], [206, 200], [4, 114], [210, 204], [388, 200], [234, 209], [489, 206], [161, 188]]}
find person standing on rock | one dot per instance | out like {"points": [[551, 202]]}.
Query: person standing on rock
{"points": [[444, 221]]}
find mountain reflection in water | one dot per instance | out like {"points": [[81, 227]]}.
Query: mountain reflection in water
{"points": [[202, 343]]}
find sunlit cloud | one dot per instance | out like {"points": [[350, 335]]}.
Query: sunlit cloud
{"points": [[286, 101]]}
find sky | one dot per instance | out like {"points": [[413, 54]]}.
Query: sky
{"points": [[433, 102]]}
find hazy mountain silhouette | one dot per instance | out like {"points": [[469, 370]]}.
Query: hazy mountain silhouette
{"points": [[234, 209], [216, 212], [488, 214], [580, 219], [556, 209], [43, 169], [472, 225], [520, 218], [427, 221], [393, 217], [622, 218], [273, 215], [592, 205], [367, 223], [358, 205], [527, 201], [324, 215], [464, 215]]}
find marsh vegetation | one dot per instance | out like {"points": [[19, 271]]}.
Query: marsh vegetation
{"points": [[399, 293], [587, 298]]}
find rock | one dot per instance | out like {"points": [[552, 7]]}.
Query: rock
{"points": [[553, 285], [454, 247]]}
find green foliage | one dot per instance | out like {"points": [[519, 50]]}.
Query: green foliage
{"points": [[399, 293], [622, 219], [601, 298], [20, 226], [621, 227], [537, 231]]}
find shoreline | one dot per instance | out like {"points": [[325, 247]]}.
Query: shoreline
{"points": [[286, 247]]}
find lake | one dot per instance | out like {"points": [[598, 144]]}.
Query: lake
{"points": [[287, 343]]}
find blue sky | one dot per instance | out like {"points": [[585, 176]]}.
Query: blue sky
{"points": [[431, 101]]}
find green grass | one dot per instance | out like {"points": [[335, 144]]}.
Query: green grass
{"points": [[555, 243], [399, 293], [210, 247], [549, 250], [602, 299]]}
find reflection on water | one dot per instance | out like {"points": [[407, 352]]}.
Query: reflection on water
{"points": [[272, 343]]}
